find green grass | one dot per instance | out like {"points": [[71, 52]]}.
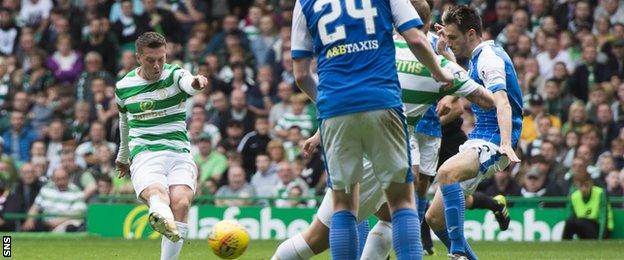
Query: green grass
{"points": [[85, 247]]}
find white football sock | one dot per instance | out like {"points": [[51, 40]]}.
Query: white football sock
{"points": [[294, 248], [170, 250], [156, 205], [379, 241]]}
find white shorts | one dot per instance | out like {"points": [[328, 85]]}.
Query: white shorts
{"points": [[413, 144], [371, 198], [380, 134], [164, 167], [429, 147], [490, 162]]}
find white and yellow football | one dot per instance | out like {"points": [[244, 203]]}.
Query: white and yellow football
{"points": [[228, 239]]}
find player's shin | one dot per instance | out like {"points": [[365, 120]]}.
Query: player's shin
{"points": [[362, 229], [343, 236], [294, 248], [406, 234], [453, 197], [156, 205], [379, 242], [171, 250]]}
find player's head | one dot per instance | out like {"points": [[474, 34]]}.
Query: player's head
{"points": [[583, 182], [423, 8], [151, 53], [463, 28]]}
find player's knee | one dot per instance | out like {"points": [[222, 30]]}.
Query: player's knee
{"points": [[181, 204], [447, 175], [433, 220]]}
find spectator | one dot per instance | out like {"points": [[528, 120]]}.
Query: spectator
{"points": [[556, 170], [616, 62], [18, 138], [592, 216], [265, 178], [77, 176], [23, 194], [288, 181], [212, 164], [189, 12], [238, 111], [503, 185], [162, 21], [104, 188], [608, 129], [36, 14], [237, 187], [297, 117], [292, 146], [276, 152], [38, 77], [54, 142], [577, 118], [99, 40], [254, 143], [613, 186], [80, 121], [93, 72], [284, 92], [587, 74], [218, 109], [65, 63], [556, 100], [127, 64], [216, 44], [129, 26], [536, 184], [97, 138], [265, 39], [9, 32], [617, 151], [612, 9], [233, 134], [260, 95], [618, 106], [249, 25], [548, 58], [61, 201]]}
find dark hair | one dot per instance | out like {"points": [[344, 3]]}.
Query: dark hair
{"points": [[465, 17], [105, 178], [149, 40], [423, 9]]}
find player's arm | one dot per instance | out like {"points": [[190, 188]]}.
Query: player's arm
{"points": [[122, 161], [188, 83], [302, 52], [482, 97], [408, 24]]}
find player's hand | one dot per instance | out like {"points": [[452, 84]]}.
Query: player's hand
{"points": [[122, 168], [509, 152], [446, 78], [28, 225], [310, 145], [199, 82]]}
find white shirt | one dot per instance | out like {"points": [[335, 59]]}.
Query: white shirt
{"points": [[547, 64]]}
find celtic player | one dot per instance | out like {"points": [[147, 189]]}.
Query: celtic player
{"points": [[155, 148]]}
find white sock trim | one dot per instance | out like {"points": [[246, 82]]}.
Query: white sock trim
{"points": [[183, 228], [302, 247]]}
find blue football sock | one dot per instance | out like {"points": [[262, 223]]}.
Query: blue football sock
{"points": [[443, 236], [421, 205], [362, 229], [454, 215], [406, 234], [469, 253], [343, 237]]}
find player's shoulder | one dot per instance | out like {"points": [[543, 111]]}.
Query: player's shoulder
{"points": [[130, 78]]}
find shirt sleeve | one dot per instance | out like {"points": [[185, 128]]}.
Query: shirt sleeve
{"points": [[404, 15], [301, 40], [462, 84], [184, 79], [491, 70]]}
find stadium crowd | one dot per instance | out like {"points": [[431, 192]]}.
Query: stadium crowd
{"points": [[59, 61]]}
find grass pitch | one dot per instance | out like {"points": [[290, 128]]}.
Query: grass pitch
{"points": [[86, 247]]}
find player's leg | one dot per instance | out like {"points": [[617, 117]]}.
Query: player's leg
{"points": [[182, 183], [462, 166], [388, 149], [379, 242], [342, 145], [312, 241], [497, 204], [148, 174]]}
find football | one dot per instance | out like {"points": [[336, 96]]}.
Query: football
{"points": [[228, 239]]}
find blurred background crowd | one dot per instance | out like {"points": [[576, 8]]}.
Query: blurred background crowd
{"points": [[59, 61]]}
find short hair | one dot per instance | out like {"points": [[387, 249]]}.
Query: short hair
{"points": [[581, 177], [149, 40], [465, 17], [105, 178], [423, 9]]}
